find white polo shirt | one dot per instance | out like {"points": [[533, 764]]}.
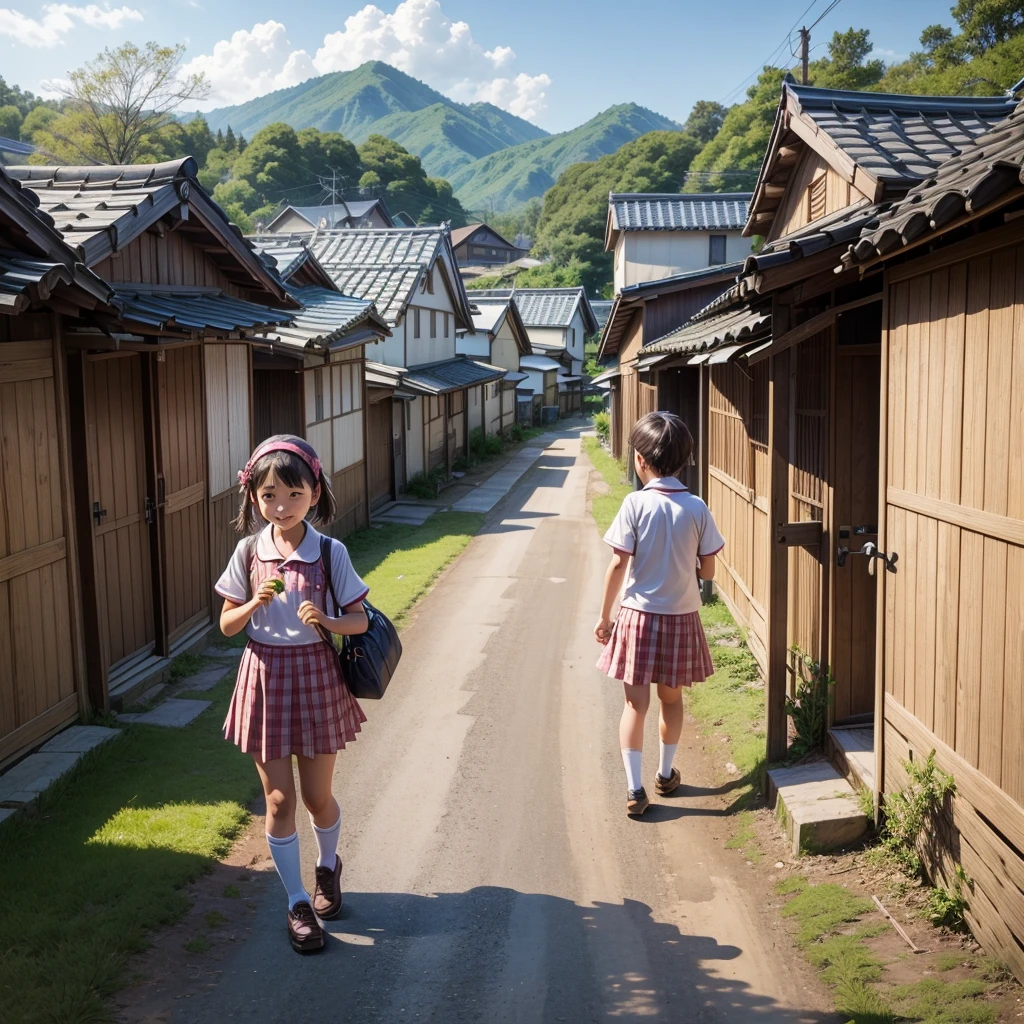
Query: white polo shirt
{"points": [[666, 529], [279, 622]]}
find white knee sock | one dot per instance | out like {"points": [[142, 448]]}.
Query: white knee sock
{"points": [[668, 754], [285, 853], [327, 841], [631, 759]]}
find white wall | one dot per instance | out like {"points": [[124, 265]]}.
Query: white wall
{"points": [[476, 346], [390, 351], [426, 349], [504, 350], [651, 255], [413, 437]]}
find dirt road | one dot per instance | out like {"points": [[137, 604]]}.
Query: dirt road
{"points": [[491, 874]]}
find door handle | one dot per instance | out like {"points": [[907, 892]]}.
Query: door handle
{"points": [[99, 514], [870, 552]]}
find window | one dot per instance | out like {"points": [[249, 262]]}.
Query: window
{"points": [[446, 325], [433, 323], [415, 323], [816, 192], [716, 250]]}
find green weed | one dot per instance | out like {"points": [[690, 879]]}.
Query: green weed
{"points": [[943, 1002], [231, 892], [199, 944], [809, 709], [214, 919], [946, 907], [605, 506], [186, 664], [603, 425], [820, 909], [909, 811]]}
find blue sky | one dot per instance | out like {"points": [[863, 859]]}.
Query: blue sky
{"points": [[555, 63]]}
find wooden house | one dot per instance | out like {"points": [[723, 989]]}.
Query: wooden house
{"points": [[654, 236], [419, 385], [479, 245], [359, 213], [43, 682], [641, 382], [948, 670], [498, 338]]}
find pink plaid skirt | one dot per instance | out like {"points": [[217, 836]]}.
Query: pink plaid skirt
{"points": [[667, 649], [290, 699]]}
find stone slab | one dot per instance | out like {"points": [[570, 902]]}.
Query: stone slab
{"points": [[173, 713], [78, 739], [484, 497], [405, 515], [27, 779], [817, 807], [205, 679], [224, 653], [5, 813]]}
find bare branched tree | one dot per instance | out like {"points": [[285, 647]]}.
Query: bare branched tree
{"points": [[116, 106]]}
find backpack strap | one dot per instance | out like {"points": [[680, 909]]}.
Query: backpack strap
{"points": [[250, 562], [325, 558]]}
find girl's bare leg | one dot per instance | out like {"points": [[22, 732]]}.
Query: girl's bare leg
{"points": [[316, 775], [670, 726], [631, 725], [279, 789]]}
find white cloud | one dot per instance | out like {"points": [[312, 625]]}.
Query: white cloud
{"points": [[417, 38], [252, 63], [58, 20]]}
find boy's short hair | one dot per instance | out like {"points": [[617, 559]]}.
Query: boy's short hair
{"points": [[664, 442]]}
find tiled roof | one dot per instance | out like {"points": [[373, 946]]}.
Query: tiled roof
{"points": [[383, 265], [988, 170], [451, 375], [710, 211], [100, 209], [897, 138], [24, 281], [742, 325], [545, 307], [541, 363], [337, 215], [602, 310], [326, 318], [190, 309]]}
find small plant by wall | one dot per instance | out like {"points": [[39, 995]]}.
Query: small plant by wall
{"points": [[603, 425], [912, 809], [809, 707]]}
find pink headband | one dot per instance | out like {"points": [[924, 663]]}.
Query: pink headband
{"points": [[245, 475]]}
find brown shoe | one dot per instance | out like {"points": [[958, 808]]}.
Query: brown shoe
{"points": [[304, 931], [637, 802], [327, 895], [663, 787]]}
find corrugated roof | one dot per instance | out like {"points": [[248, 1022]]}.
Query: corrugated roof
{"points": [[191, 309], [988, 171], [708, 334], [451, 375], [710, 211]]}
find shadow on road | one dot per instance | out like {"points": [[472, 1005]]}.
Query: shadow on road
{"points": [[493, 954]]}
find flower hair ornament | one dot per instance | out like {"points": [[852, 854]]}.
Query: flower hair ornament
{"points": [[245, 475]]}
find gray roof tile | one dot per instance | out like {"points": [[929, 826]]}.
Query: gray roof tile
{"points": [[544, 307], [451, 375], [194, 309], [638, 211]]}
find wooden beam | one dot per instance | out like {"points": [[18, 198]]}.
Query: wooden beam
{"points": [[776, 727], [809, 328], [881, 582]]}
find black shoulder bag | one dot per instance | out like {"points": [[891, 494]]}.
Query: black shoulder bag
{"points": [[367, 660]]}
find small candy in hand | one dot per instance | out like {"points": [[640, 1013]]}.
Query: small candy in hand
{"points": [[277, 584]]}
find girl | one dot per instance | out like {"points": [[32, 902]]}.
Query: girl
{"points": [[657, 637], [290, 697]]}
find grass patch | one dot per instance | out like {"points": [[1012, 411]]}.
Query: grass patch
{"points": [[232, 892], [820, 909], [399, 563], [200, 944], [605, 506], [185, 665], [113, 846], [943, 1002]]}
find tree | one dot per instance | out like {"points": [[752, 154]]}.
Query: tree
{"points": [[274, 167], [11, 95], [986, 23], [229, 143], [705, 119], [10, 122], [117, 106], [190, 138], [38, 119], [847, 65]]}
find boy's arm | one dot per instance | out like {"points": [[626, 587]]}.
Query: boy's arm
{"points": [[613, 578], [706, 567]]}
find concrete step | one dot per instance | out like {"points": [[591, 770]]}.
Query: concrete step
{"points": [[816, 806], [852, 751]]}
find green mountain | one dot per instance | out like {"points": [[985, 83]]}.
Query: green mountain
{"points": [[509, 177], [376, 98]]}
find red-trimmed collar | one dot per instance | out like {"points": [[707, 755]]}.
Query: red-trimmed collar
{"points": [[665, 484]]}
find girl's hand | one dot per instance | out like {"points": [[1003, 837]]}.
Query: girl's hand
{"points": [[268, 590], [603, 630], [311, 616]]}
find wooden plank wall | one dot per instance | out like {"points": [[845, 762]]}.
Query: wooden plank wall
{"points": [[38, 687], [954, 612], [809, 443], [738, 492], [229, 443], [794, 213]]}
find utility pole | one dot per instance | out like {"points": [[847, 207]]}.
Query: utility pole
{"points": [[805, 47]]}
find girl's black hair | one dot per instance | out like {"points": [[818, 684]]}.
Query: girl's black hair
{"points": [[664, 441], [292, 471]]}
